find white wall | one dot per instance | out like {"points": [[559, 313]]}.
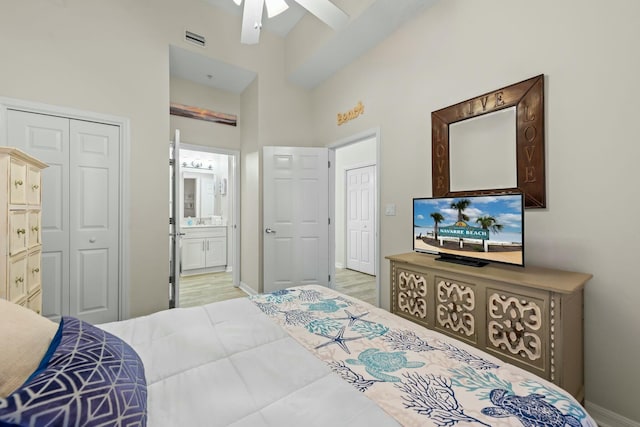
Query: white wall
{"points": [[587, 50]]}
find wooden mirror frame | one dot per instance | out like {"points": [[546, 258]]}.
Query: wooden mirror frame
{"points": [[528, 98]]}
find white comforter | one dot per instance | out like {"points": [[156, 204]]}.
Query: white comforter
{"points": [[228, 364]]}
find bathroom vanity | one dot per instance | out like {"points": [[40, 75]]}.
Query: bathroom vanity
{"points": [[204, 249]]}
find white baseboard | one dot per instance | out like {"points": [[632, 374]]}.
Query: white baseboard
{"points": [[247, 289], [339, 265], [607, 418]]}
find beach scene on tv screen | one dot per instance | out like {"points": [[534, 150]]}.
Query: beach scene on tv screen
{"points": [[482, 227]]}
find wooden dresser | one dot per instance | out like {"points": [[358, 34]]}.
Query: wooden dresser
{"points": [[20, 215], [531, 317]]}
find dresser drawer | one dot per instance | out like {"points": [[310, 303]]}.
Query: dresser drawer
{"points": [[17, 183], [21, 219], [17, 279], [35, 234], [34, 277], [34, 183], [34, 302], [17, 232]]}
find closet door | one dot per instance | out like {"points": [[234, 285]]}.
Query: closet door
{"points": [[361, 225], [94, 221], [47, 138], [80, 207]]}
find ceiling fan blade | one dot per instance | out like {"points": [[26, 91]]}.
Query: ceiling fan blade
{"points": [[251, 21], [275, 7], [326, 11]]}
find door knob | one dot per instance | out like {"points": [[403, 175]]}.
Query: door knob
{"points": [[269, 230], [92, 240]]}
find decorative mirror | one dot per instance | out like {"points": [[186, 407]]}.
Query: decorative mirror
{"points": [[477, 150]]}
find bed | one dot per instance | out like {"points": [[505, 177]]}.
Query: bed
{"points": [[301, 356]]}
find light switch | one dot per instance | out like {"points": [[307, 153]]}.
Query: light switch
{"points": [[390, 209]]}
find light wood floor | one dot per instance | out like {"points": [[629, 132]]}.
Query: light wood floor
{"points": [[356, 284], [205, 288]]}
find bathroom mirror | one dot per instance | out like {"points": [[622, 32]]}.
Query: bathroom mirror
{"points": [[199, 195], [492, 143], [190, 195]]}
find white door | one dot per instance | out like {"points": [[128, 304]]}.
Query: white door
{"points": [[295, 217], [94, 190], [80, 203], [361, 190]]}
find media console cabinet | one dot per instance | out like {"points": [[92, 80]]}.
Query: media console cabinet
{"points": [[531, 317]]}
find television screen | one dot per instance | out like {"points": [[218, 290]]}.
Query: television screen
{"points": [[471, 230]]}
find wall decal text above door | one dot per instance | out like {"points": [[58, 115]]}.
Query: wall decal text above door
{"points": [[351, 114]]}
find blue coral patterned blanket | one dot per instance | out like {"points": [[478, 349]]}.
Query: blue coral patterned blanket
{"points": [[419, 376]]}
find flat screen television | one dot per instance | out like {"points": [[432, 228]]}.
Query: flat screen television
{"points": [[471, 230]]}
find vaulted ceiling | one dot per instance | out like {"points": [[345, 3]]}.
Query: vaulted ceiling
{"points": [[370, 22]]}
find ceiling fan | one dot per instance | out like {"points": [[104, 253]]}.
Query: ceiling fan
{"points": [[324, 10]]}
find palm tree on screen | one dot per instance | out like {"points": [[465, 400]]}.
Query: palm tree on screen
{"points": [[460, 206], [437, 219], [488, 223]]}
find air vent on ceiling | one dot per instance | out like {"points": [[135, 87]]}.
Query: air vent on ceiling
{"points": [[194, 38]]}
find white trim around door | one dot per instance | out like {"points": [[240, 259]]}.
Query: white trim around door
{"points": [[234, 227], [353, 139]]}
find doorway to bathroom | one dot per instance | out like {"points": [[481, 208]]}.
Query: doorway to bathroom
{"points": [[204, 227]]}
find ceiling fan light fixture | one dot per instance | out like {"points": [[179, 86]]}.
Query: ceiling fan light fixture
{"points": [[275, 7], [251, 21], [324, 10]]}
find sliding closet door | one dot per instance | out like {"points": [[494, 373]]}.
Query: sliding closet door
{"points": [[80, 203]]}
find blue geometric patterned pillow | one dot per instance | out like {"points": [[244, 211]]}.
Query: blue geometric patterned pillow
{"points": [[92, 378]]}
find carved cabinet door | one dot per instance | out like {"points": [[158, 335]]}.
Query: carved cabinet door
{"points": [[411, 296], [456, 308], [518, 326]]}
